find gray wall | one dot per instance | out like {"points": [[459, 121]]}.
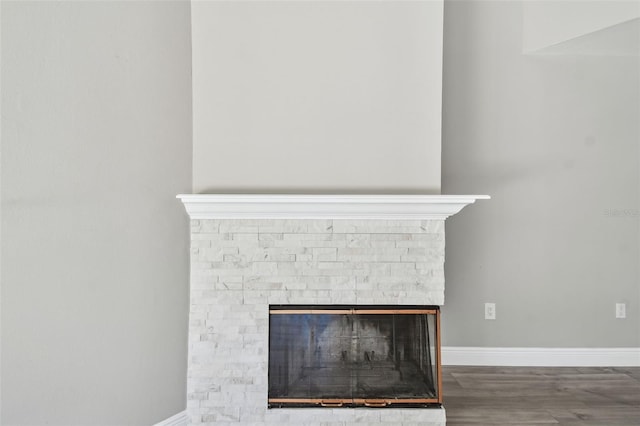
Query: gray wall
{"points": [[96, 131], [317, 96], [96, 142], [554, 140]]}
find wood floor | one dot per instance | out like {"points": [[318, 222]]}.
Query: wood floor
{"points": [[541, 396]]}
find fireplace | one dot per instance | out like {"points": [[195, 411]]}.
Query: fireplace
{"points": [[348, 356], [294, 300]]}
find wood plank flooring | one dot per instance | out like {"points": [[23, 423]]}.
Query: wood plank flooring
{"points": [[541, 396]]}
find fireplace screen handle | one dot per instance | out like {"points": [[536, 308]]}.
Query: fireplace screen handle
{"points": [[332, 403], [375, 403]]}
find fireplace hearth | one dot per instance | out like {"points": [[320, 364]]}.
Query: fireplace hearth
{"points": [[305, 300]]}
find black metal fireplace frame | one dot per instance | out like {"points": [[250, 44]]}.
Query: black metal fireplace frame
{"points": [[364, 402]]}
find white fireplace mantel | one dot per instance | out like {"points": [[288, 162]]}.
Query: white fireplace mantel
{"points": [[284, 206]]}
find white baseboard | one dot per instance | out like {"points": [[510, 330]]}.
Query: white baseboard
{"points": [[541, 357], [179, 419]]}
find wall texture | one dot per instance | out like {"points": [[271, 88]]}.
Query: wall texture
{"points": [[96, 142], [554, 140], [317, 96]]}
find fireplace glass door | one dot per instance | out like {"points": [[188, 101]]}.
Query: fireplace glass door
{"points": [[353, 356]]}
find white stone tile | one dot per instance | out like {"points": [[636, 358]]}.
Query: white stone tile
{"points": [[245, 237], [238, 228], [240, 267]]}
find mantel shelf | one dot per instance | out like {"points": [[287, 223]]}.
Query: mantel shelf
{"points": [[271, 206]]}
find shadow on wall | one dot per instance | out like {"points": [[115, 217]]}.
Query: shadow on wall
{"points": [[320, 191]]}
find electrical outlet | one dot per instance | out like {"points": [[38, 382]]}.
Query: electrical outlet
{"points": [[490, 311], [621, 310]]}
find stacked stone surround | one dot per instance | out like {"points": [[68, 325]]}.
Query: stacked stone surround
{"points": [[241, 266]]}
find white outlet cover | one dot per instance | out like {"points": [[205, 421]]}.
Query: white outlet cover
{"points": [[490, 311], [621, 310]]}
